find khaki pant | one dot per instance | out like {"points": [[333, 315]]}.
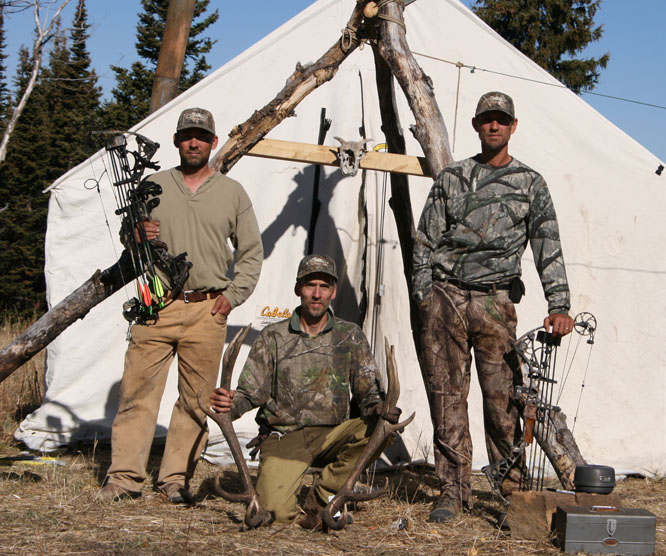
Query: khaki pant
{"points": [[197, 337], [455, 321], [285, 459]]}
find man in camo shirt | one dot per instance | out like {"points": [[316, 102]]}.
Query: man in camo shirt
{"points": [[475, 225], [299, 373]]}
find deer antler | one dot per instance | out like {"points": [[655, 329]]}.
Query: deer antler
{"points": [[255, 515], [382, 431]]}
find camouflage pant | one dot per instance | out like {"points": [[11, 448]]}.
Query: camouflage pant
{"points": [[455, 321]]}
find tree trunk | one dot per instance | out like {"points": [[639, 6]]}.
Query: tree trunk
{"points": [[42, 36], [430, 129], [75, 306], [172, 52], [560, 447]]}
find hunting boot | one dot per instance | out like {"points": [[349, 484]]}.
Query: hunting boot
{"points": [[311, 519], [444, 509]]}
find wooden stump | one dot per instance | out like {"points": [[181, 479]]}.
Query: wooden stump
{"points": [[530, 513]]}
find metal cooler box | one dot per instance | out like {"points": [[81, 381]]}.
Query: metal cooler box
{"points": [[605, 530]]}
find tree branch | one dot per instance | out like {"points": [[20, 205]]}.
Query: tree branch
{"points": [[301, 83], [43, 36], [76, 305]]}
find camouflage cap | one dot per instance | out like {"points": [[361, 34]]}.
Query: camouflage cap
{"points": [[196, 117], [495, 101], [316, 263]]}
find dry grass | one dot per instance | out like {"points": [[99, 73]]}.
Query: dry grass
{"points": [[51, 509], [22, 391]]}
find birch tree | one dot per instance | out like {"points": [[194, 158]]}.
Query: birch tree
{"points": [[46, 14]]}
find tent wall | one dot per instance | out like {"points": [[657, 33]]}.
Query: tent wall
{"points": [[608, 198]]}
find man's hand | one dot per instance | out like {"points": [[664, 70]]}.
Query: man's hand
{"points": [[221, 400], [221, 306], [392, 415], [560, 323], [150, 227]]}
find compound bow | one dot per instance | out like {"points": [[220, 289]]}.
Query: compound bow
{"points": [[542, 420], [135, 199]]}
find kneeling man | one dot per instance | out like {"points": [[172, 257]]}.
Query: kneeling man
{"points": [[299, 373]]}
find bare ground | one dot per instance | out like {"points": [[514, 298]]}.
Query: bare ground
{"points": [[50, 509]]}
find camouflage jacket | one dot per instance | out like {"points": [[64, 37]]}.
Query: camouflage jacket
{"points": [[475, 226], [299, 381]]}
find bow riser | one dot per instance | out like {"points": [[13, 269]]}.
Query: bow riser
{"points": [[135, 200]]}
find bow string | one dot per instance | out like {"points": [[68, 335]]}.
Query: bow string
{"points": [[537, 351], [135, 200]]}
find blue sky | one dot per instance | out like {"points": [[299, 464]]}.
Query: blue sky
{"points": [[633, 34]]}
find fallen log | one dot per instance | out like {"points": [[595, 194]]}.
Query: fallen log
{"points": [[102, 284]]}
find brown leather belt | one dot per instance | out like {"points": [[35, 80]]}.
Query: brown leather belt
{"points": [[194, 297]]}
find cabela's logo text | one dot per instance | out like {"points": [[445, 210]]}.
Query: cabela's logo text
{"points": [[276, 313]]}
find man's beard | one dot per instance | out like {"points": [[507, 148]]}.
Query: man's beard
{"points": [[194, 163]]}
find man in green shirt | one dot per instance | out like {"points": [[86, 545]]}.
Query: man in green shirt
{"points": [[199, 211]]}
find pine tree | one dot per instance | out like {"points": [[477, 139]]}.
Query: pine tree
{"points": [[131, 96], [23, 224], [75, 96], [49, 139], [552, 33], [5, 96]]}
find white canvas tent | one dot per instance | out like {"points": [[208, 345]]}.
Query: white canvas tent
{"points": [[609, 201]]}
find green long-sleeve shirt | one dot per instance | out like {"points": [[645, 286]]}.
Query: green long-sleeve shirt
{"points": [[203, 224]]}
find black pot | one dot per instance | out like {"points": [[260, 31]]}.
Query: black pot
{"points": [[598, 479]]}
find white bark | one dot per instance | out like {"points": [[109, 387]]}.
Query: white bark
{"points": [[43, 33]]}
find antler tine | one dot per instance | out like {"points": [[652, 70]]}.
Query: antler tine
{"points": [[224, 422], [383, 429], [255, 515], [392, 382], [230, 356]]}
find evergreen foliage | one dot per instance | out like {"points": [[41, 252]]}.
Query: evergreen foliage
{"points": [[131, 96], [5, 96], [75, 96], [52, 133], [552, 33], [49, 139], [23, 224]]}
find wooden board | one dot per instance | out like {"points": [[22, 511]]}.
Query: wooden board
{"points": [[327, 155]]}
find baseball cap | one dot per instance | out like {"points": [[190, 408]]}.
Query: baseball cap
{"points": [[196, 117], [316, 263], [495, 101]]}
